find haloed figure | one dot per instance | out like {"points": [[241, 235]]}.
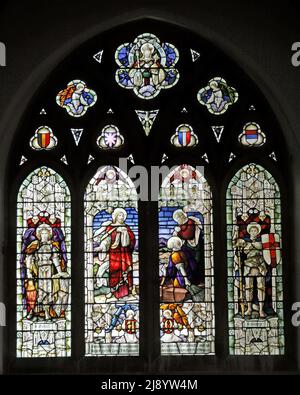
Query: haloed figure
{"points": [[115, 247], [42, 261], [189, 230], [254, 267]]}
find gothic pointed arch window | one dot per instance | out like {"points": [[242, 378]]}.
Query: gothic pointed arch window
{"points": [[143, 110]]}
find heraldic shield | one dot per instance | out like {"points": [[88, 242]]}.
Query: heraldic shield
{"points": [[271, 249]]}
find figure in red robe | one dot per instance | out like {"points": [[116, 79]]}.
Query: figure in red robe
{"points": [[115, 246], [189, 230]]}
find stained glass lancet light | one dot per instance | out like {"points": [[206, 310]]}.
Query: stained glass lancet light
{"points": [[43, 266], [186, 264], [111, 265], [255, 291]]}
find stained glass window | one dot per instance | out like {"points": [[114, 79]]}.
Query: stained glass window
{"points": [[255, 293], [217, 96], [186, 264], [147, 119], [110, 138], [43, 138], [252, 135], [77, 134], [184, 136], [147, 66], [76, 98], [111, 264], [183, 106], [43, 266]]}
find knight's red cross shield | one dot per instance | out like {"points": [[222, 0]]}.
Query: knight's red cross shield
{"points": [[271, 249]]}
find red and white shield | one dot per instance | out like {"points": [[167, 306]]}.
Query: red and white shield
{"points": [[271, 249]]}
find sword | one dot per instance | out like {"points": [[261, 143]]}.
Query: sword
{"points": [[241, 297]]}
